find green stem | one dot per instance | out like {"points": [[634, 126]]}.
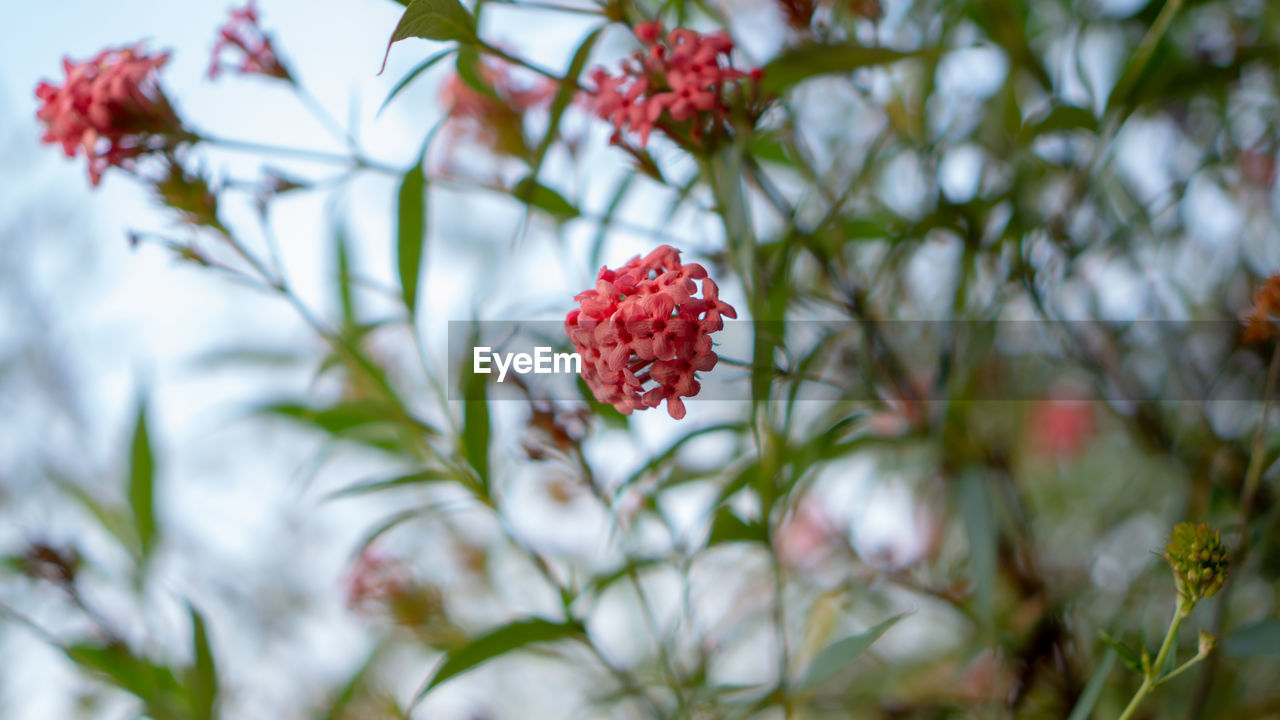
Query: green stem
{"points": [[1151, 674], [504, 55], [1254, 475], [355, 161], [1183, 667], [1146, 48]]}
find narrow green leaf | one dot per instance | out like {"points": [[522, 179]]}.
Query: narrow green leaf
{"points": [[839, 654], [980, 524], [412, 75], [441, 20], [475, 422], [142, 483], [422, 477], [1093, 690], [1129, 657], [468, 66], [805, 61], [202, 678], [1137, 66], [346, 294], [495, 643], [345, 417], [411, 233], [1061, 118], [537, 195], [155, 686]]}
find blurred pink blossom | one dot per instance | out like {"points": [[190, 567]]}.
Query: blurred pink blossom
{"points": [[1061, 426], [494, 119], [375, 578], [242, 33], [110, 108]]}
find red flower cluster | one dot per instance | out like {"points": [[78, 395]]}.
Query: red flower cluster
{"points": [[243, 33], [1263, 319], [684, 75], [641, 322], [111, 108]]}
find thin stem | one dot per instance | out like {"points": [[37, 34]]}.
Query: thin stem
{"points": [[354, 160], [597, 12], [1183, 667], [1253, 478], [326, 118], [1151, 674], [503, 54], [1254, 475]]}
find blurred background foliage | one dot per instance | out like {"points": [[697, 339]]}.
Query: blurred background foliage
{"points": [[900, 547]]}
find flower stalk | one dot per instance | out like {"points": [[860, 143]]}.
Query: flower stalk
{"points": [[1198, 559]]}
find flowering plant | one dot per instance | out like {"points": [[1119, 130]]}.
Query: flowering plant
{"points": [[965, 344]]}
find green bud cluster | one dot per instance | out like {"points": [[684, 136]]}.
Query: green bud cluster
{"points": [[1198, 559]]}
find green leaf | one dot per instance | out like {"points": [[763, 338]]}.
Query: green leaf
{"points": [[202, 677], [155, 686], [475, 421], [501, 641], [411, 233], [1093, 690], [412, 75], [805, 61], [142, 483], [345, 417], [1060, 119], [980, 524], [468, 65], [1129, 657], [441, 20], [1253, 640], [346, 294], [729, 528], [381, 425], [537, 195], [564, 95], [422, 477], [839, 654]]}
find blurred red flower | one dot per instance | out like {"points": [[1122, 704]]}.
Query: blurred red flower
{"points": [[243, 33], [1061, 426], [110, 108]]}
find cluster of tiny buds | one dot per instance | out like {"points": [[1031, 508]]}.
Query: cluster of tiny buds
{"points": [[1199, 561]]}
